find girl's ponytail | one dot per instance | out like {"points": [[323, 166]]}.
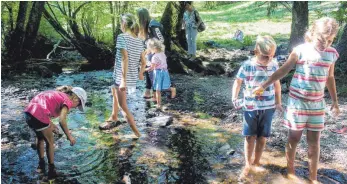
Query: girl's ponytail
{"points": [[65, 89]]}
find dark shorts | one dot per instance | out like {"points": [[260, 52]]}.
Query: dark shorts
{"points": [[34, 123], [257, 122], [149, 79]]}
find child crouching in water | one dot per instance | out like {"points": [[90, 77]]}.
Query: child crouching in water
{"points": [[314, 63], [52, 104], [258, 110], [161, 77]]}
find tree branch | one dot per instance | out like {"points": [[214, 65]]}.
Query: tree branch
{"points": [[78, 9]]}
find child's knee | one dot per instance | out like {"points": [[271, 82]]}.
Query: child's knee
{"points": [[250, 138]]}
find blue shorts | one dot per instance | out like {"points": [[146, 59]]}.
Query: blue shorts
{"points": [[257, 122], [161, 80]]}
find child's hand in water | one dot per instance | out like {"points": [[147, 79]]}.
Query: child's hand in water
{"points": [[335, 109], [72, 140], [258, 91]]}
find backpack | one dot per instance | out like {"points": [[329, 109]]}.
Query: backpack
{"points": [[155, 30], [201, 25]]}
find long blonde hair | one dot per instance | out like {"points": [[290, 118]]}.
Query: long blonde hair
{"points": [[130, 22], [321, 29], [265, 46]]}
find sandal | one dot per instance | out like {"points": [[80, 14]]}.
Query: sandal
{"points": [[109, 124]]}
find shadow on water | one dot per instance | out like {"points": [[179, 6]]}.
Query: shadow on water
{"points": [[193, 163]]}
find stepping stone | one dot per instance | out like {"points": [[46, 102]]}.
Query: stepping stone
{"points": [[160, 121]]}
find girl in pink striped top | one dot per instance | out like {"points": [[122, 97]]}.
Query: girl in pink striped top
{"points": [[314, 63]]}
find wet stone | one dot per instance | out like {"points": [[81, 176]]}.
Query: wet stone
{"points": [[160, 121], [5, 140]]}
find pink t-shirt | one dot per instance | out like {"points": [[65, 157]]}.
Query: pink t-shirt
{"points": [[48, 104], [159, 59]]}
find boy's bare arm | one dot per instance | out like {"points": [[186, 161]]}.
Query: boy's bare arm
{"points": [[236, 89]]}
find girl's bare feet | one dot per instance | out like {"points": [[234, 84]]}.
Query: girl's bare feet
{"points": [[244, 173], [256, 167]]}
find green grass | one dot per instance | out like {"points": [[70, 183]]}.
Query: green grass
{"points": [[223, 21]]}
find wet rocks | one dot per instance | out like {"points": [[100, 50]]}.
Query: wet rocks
{"points": [[160, 121]]}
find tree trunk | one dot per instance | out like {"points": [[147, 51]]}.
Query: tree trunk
{"points": [[175, 38], [14, 43], [341, 63], [113, 19], [299, 23], [32, 28]]}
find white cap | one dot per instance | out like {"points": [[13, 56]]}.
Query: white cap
{"points": [[82, 95]]}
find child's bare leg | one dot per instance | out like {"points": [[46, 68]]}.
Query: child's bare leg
{"points": [[147, 93], [173, 91], [293, 140], [40, 147], [249, 147], [158, 95], [313, 141], [115, 106], [121, 95], [49, 139], [154, 95], [259, 148], [41, 152]]}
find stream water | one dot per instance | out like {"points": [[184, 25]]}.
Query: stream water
{"points": [[197, 147], [173, 154]]}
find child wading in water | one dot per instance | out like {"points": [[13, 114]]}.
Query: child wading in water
{"points": [[258, 111], [49, 104], [161, 77], [126, 71], [314, 62]]}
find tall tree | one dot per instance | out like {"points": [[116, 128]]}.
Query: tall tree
{"points": [[299, 23], [14, 42], [32, 27]]}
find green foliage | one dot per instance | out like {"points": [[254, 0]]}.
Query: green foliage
{"points": [[210, 5], [247, 41]]}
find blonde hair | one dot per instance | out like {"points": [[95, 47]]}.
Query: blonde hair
{"points": [[265, 46], [154, 43], [322, 28], [130, 22], [65, 89]]}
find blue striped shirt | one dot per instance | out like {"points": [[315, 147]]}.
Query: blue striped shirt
{"points": [[253, 74]]}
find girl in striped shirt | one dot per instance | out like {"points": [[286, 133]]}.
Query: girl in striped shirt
{"points": [[314, 62], [129, 51]]}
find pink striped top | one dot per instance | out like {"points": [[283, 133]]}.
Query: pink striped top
{"points": [[312, 71]]}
